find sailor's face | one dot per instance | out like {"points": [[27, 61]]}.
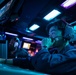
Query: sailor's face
{"points": [[55, 33]]}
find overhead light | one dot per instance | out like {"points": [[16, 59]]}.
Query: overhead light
{"points": [[38, 41], [68, 3], [34, 27], [27, 38], [11, 34], [52, 15]]}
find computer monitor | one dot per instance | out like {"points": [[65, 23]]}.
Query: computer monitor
{"points": [[26, 45]]}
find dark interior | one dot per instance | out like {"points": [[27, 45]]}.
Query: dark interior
{"points": [[23, 13]]}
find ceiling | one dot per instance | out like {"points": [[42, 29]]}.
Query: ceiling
{"points": [[24, 13]]}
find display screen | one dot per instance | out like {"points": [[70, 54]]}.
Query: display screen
{"points": [[26, 45]]}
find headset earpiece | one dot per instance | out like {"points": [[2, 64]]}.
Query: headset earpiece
{"points": [[68, 32]]}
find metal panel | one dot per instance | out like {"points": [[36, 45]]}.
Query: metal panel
{"points": [[3, 49]]}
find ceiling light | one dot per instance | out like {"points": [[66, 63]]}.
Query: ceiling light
{"points": [[11, 34], [34, 27], [38, 41], [27, 38], [68, 3], [52, 15]]}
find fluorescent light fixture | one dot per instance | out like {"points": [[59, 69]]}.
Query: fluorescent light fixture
{"points": [[38, 41], [34, 27], [27, 38], [11, 34], [52, 15], [68, 3]]}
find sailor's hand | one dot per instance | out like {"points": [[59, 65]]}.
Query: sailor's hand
{"points": [[47, 43]]}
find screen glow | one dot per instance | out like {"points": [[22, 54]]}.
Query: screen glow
{"points": [[26, 45]]}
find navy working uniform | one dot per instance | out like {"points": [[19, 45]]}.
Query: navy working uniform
{"points": [[58, 63]]}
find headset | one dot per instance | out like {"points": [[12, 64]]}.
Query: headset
{"points": [[67, 31]]}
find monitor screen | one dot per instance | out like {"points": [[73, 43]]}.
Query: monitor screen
{"points": [[26, 45]]}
